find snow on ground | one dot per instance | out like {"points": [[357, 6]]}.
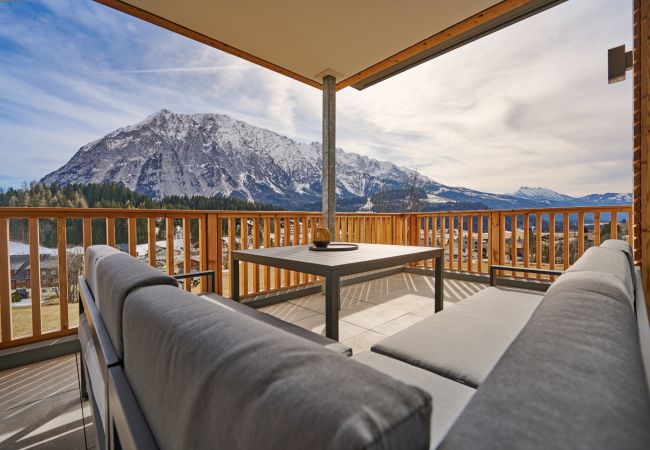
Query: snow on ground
{"points": [[20, 248]]}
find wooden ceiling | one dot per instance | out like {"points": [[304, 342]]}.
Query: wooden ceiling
{"points": [[360, 42]]}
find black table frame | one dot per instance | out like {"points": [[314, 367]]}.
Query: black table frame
{"points": [[333, 274]]}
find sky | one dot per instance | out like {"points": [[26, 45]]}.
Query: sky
{"points": [[528, 105]]}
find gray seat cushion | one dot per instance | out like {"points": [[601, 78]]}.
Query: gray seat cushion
{"points": [[622, 246], [572, 379], [92, 255], [449, 397], [603, 260], [117, 276], [465, 341], [207, 377], [279, 323]]}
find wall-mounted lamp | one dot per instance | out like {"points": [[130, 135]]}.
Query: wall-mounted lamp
{"points": [[618, 62]]}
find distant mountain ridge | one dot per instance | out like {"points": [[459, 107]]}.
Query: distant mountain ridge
{"points": [[208, 154]]}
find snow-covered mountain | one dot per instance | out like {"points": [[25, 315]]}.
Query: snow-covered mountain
{"points": [[207, 154]]}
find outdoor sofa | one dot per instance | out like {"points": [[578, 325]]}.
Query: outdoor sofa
{"points": [[504, 368]]}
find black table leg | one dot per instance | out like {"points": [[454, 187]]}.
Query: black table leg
{"points": [[332, 298], [234, 279], [439, 284]]}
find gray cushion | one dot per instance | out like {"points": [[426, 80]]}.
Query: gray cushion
{"points": [[596, 282], [622, 246], [117, 276], [207, 377], [449, 397], [572, 379], [465, 341], [241, 308], [609, 261], [92, 255]]}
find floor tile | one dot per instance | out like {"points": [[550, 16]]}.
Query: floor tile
{"points": [[288, 312], [317, 325], [363, 341], [52, 423], [316, 302], [399, 324], [369, 315]]}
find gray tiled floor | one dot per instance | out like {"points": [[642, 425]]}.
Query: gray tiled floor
{"points": [[373, 310], [40, 405]]}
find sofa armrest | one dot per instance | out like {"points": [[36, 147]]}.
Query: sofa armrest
{"points": [[210, 274], [494, 268]]}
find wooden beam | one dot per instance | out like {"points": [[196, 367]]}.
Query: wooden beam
{"points": [[482, 18]]}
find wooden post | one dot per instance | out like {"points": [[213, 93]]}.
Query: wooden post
{"points": [[151, 225], [641, 169], [329, 152], [494, 239], [169, 231]]}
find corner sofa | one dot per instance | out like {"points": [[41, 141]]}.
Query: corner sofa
{"points": [[504, 368]]}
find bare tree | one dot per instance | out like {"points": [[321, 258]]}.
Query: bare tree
{"points": [[413, 191]]}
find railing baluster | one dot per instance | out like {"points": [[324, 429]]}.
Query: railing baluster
{"points": [[169, 235], [243, 244], [110, 231], [451, 242], [267, 244], [256, 244], [527, 242], [63, 272], [470, 242], [581, 233], [35, 274], [203, 252], [551, 242], [596, 228], [187, 256], [614, 225], [132, 236], [460, 243], [566, 244], [630, 234], [305, 241], [479, 243], [87, 233], [538, 241], [287, 229], [513, 240], [152, 249], [5, 282]]}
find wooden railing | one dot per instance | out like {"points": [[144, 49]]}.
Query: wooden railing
{"points": [[52, 242]]}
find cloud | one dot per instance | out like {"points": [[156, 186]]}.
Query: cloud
{"points": [[528, 105]]}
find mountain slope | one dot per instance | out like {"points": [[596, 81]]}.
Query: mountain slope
{"points": [[206, 154]]}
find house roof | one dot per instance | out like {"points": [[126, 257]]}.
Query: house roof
{"points": [[360, 42]]}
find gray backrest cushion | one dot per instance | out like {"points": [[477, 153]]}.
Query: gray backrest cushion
{"points": [[92, 255], [622, 246], [117, 276], [573, 379], [207, 377], [608, 261]]}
